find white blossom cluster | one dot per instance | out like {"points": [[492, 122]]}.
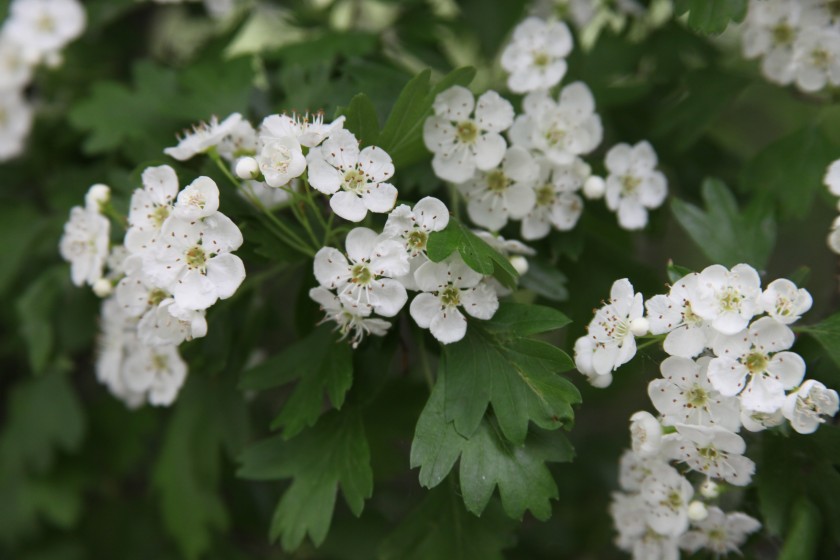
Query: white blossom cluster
{"points": [[729, 367], [34, 33], [592, 17], [529, 167], [175, 262], [218, 9], [832, 181], [798, 41]]}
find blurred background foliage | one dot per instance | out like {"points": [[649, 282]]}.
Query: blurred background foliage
{"points": [[83, 477]]}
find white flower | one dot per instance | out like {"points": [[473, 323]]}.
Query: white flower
{"points": [[817, 59], [770, 30], [646, 434], [354, 178], [697, 511], [727, 299], [713, 451], [117, 338], [366, 280], [783, 301], [629, 513], [559, 129], [247, 168], [633, 470], [15, 122], [755, 421], [150, 207], [832, 178], [15, 69], [633, 183], [197, 200], [462, 143], [196, 265], [613, 344], [280, 160], [240, 141], [556, 200], [169, 324], [446, 286], [535, 57], [309, 130], [412, 226], [85, 244], [834, 236], [594, 188], [757, 354], [350, 319], [203, 136], [158, 371], [806, 406], [504, 192], [667, 494], [672, 314], [719, 533], [584, 353], [686, 396], [43, 27]]}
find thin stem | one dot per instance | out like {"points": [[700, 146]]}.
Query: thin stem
{"points": [[424, 359], [651, 342]]}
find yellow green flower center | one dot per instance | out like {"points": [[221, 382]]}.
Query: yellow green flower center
{"points": [[451, 296], [159, 215], [354, 180], [466, 132], [196, 257], [497, 181], [756, 362], [361, 274], [782, 34], [156, 296], [545, 195], [697, 396], [417, 239]]}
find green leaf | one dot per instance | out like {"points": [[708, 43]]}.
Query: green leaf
{"points": [[791, 169], [545, 280], [35, 309], [402, 135], [478, 255], [441, 528], [21, 222], [524, 481], [333, 454], [208, 416], [827, 333], [725, 235], [777, 489], [676, 272], [802, 539], [362, 120], [711, 17], [521, 319], [519, 378], [321, 363]]}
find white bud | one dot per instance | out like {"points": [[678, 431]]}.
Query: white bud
{"points": [[96, 196], [519, 263], [53, 59], [103, 287], [639, 326], [247, 168], [697, 511], [600, 381], [709, 490], [646, 434], [594, 187]]}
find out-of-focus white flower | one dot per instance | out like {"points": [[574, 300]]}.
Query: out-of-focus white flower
{"points": [[350, 320], [536, 56], [783, 301], [806, 407], [719, 532], [203, 136], [634, 185], [556, 202], [42, 27], [727, 299], [15, 123], [646, 434]]}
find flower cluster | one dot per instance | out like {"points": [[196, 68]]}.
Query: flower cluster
{"points": [[729, 366], [176, 261], [832, 181], [536, 174], [218, 9], [34, 33], [797, 41]]}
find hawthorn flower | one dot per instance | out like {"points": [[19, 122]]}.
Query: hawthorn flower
{"points": [[364, 278], [806, 406], [630, 513], [754, 361], [308, 130], [280, 160], [15, 123], [755, 421], [770, 31], [197, 200], [505, 192], [562, 129], [686, 396], [203, 136], [85, 244], [355, 178], [412, 226], [169, 324], [15, 69], [633, 184], [834, 236], [349, 319], [667, 494], [556, 202], [633, 469], [727, 299], [156, 371], [42, 27], [719, 532], [646, 434], [446, 286], [197, 265], [832, 178], [240, 141], [150, 207], [713, 451], [535, 57], [463, 142], [116, 340], [783, 301], [612, 342], [817, 59], [673, 314]]}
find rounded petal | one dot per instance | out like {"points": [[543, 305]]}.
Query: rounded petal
{"points": [[331, 268], [454, 104], [788, 368], [520, 165], [424, 307], [431, 214], [493, 112], [432, 276], [520, 200], [438, 134], [481, 302], [388, 297], [323, 176], [380, 198], [448, 326], [489, 150], [226, 272], [456, 165], [348, 206], [341, 150], [376, 164], [198, 200], [161, 183], [195, 291], [727, 376]]}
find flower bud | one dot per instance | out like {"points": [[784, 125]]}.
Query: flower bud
{"points": [[639, 326], [519, 263], [96, 196], [697, 511], [247, 168], [103, 288], [646, 434], [594, 187], [709, 490], [600, 381]]}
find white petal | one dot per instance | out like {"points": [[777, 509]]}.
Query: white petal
{"points": [[424, 307], [448, 326], [341, 150], [493, 112], [431, 214], [348, 206], [331, 268], [481, 302], [226, 272], [380, 198], [376, 164], [323, 176], [489, 150], [456, 165], [194, 291], [787, 368], [360, 243], [432, 276], [454, 104], [727, 376], [388, 297], [161, 183]]}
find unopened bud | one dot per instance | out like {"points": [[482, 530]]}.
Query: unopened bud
{"points": [[594, 187], [519, 263], [639, 326], [600, 381], [103, 287], [709, 490], [247, 168], [96, 196], [697, 511]]}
